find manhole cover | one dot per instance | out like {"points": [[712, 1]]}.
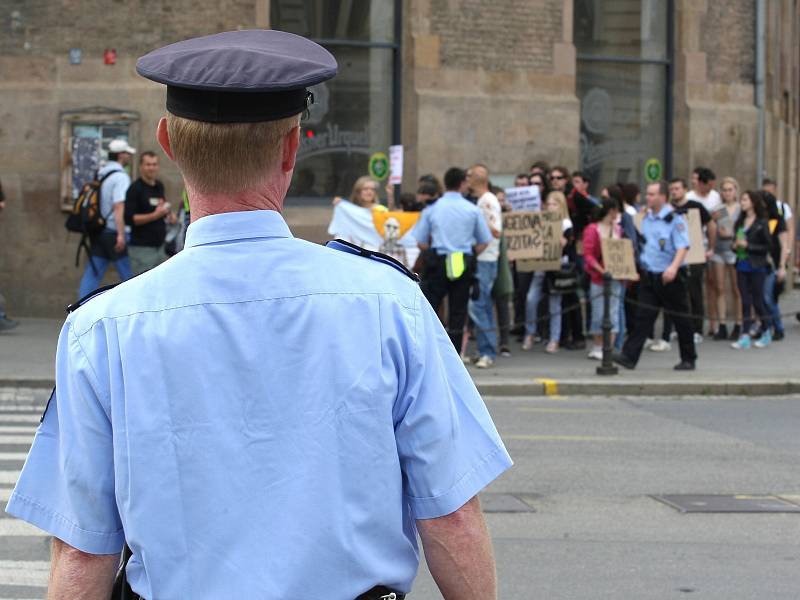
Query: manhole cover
{"points": [[508, 503], [689, 503]]}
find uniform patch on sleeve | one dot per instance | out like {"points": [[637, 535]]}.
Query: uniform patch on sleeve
{"points": [[680, 227]]}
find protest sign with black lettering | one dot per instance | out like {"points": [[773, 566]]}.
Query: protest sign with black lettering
{"points": [[524, 235], [697, 247], [618, 259], [550, 227]]}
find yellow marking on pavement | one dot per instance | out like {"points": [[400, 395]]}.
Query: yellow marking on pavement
{"points": [[793, 498], [560, 438], [550, 386]]}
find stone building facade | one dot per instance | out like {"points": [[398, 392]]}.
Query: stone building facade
{"points": [[604, 85]]}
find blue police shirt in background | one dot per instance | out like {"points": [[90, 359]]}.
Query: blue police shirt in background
{"points": [[662, 239], [452, 224], [262, 416]]}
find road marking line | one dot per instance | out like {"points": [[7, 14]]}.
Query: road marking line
{"points": [[16, 528], [561, 438], [577, 410], [16, 439], [5, 494], [9, 476], [550, 386], [32, 419], [24, 572], [13, 455], [17, 429]]}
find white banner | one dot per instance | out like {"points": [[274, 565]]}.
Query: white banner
{"points": [[395, 165], [524, 199]]}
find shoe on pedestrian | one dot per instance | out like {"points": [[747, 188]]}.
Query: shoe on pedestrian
{"points": [[736, 333], [764, 340], [595, 354], [527, 343], [661, 346], [7, 324], [505, 351], [517, 330], [711, 333], [578, 345], [552, 347], [722, 334], [685, 365], [673, 336], [484, 362], [466, 360], [623, 361], [698, 338], [649, 342], [778, 336], [743, 343]]}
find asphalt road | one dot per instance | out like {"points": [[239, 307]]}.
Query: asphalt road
{"points": [[588, 466]]}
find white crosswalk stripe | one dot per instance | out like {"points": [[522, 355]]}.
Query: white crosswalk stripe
{"points": [[16, 434]]}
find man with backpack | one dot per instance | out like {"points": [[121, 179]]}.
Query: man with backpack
{"points": [[109, 246]]}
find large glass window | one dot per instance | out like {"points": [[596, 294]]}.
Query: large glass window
{"points": [[352, 117], [623, 86]]}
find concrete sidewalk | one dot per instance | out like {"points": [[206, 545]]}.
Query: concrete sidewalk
{"points": [[27, 356]]}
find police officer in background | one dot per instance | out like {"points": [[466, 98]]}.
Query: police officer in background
{"points": [[664, 280], [321, 418], [451, 233]]}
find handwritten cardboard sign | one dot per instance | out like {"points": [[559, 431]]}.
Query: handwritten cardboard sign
{"points": [[697, 248], [618, 258], [550, 226], [524, 199], [524, 234]]}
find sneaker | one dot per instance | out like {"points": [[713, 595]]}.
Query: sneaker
{"points": [[778, 336], [484, 362], [743, 343], [595, 354], [735, 333], [505, 351], [764, 340], [527, 343], [648, 343], [7, 324], [673, 336], [552, 347], [684, 365], [623, 360], [722, 334], [466, 360], [661, 346], [698, 338]]}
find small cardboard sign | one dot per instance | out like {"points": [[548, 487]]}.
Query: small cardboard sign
{"points": [[618, 259], [525, 235], [639, 219], [524, 199], [697, 248], [550, 226], [395, 165]]}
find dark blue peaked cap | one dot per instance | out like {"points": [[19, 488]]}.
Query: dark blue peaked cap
{"points": [[239, 76]]}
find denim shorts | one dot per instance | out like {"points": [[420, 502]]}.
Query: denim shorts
{"points": [[596, 292]]}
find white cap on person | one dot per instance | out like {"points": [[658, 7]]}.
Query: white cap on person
{"points": [[120, 145]]}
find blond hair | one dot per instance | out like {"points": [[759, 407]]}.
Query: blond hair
{"points": [[355, 195], [227, 157], [562, 203], [733, 182]]}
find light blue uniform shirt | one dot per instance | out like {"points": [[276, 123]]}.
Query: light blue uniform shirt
{"points": [[662, 239], [262, 416], [452, 224], [112, 191]]}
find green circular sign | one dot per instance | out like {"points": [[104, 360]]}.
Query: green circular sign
{"points": [[379, 166], [653, 170]]}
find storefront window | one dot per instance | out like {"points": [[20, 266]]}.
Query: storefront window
{"points": [[622, 84], [352, 117]]}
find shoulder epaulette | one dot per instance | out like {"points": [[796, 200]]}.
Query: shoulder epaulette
{"points": [[76, 305], [344, 246]]}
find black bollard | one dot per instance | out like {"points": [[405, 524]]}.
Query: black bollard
{"points": [[607, 366]]}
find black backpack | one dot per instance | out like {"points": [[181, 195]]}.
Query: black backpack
{"points": [[85, 216]]}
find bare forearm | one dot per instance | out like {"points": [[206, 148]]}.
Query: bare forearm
{"points": [[459, 554], [144, 218], [76, 574], [680, 256], [119, 217]]}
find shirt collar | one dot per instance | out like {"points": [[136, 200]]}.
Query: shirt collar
{"points": [[232, 226], [452, 195], [662, 214]]}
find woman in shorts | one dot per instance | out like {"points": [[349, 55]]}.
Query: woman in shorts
{"points": [[723, 261]]}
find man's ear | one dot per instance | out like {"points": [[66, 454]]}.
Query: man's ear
{"points": [[291, 142], [163, 137]]}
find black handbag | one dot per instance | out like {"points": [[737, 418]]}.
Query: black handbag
{"points": [[565, 281]]}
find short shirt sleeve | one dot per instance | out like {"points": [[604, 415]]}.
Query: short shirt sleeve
{"points": [[66, 487], [680, 232], [119, 187], [448, 446], [482, 233], [422, 230]]}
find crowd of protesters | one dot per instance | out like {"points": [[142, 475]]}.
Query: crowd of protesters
{"points": [[735, 290]]}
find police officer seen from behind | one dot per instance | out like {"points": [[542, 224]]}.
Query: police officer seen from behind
{"points": [[452, 233], [320, 419], [664, 280]]}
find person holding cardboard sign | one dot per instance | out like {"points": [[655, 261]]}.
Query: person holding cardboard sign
{"points": [[663, 280], [605, 227]]}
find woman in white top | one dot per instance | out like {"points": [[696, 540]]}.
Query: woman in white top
{"points": [[723, 261]]}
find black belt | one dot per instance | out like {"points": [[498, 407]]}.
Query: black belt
{"points": [[380, 592]]}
